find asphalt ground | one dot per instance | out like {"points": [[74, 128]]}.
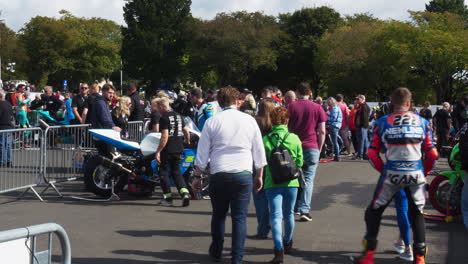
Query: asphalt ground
{"points": [[138, 231]]}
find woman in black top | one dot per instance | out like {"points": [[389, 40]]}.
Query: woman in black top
{"points": [[121, 114]]}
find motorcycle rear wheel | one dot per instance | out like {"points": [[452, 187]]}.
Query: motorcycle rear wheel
{"points": [[98, 178], [438, 190]]}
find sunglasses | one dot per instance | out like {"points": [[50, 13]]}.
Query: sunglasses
{"points": [[84, 88]]}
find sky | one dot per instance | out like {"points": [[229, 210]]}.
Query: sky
{"points": [[16, 13]]}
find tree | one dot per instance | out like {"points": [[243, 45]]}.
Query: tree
{"points": [[298, 48], [369, 58], [154, 39], [232, 48], [70, 48], [452, 6], [441, 53]]}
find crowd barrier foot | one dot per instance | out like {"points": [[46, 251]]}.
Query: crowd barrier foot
{"points": [[51, 184], [34, 191], [113, 197]]}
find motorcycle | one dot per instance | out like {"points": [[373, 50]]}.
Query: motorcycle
{"points": [[445, 190], [132, 167]]}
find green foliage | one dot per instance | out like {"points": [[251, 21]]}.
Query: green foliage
{"points": [[162, 42], [428, 55], [298, 48], [11, 51], [154, 39], [70, 48], [231, 48], [441, 53], [451, 6]]}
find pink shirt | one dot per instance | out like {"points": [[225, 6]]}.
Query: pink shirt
{"points": [[345, 113], [304, 117]]}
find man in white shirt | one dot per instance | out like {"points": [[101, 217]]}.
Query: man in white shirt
{"points": [[231, 141]]}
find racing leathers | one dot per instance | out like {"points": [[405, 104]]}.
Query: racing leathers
{"points": [[203, 113], [403, 137]]}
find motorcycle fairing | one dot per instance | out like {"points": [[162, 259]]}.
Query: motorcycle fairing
{"points": [[453, 176], [113, 138], [150, 143]]}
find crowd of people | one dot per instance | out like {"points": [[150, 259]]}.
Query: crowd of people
{"points": [[243, 140], [299, 125]]}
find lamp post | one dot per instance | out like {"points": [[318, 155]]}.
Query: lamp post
{"points": [[11, 68], [1, 82]]}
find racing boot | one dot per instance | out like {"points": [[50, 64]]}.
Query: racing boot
{"points": [[185, 197], [369, 247], [420, 250]]}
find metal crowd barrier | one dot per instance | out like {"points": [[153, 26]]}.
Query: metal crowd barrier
{"points": [[65, 148], [55, 154], [21, 159], [19, 246], [136, 130]]}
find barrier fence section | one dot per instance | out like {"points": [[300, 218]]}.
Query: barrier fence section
{"points": [[21, 159], [19, 246], [65, 150], [136, 130], [55, 154]]}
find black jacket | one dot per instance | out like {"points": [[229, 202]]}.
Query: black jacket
{"points": [[137, 112], [51, 103], [6, 115], [100, 114], [362, 116]]}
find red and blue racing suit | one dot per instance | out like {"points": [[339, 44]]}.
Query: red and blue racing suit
{"points": [[403, 137]]}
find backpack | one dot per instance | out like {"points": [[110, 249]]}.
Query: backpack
{"points": [[282, 166]]}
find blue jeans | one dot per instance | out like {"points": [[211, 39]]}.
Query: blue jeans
{"points": [[363, 142], [263, 213], [465, 203], [281, 201], [401, 206], [334, 136], [311, 160], [5, 147], [230, 190]]}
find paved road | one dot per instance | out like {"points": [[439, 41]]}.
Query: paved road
{"points": [[135, 231]]}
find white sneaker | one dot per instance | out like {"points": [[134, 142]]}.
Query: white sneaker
{"points": [[407, 254], [399, 246]]}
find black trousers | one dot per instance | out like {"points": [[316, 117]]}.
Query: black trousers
{"points": [[374, 217], [171, 161], [354, 140], [442, 139]]}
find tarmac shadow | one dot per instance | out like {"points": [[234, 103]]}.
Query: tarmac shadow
{"points": [[172, 256], [114, 261], [165, 233], [197, 212]]}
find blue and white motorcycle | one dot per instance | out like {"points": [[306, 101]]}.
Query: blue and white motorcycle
{"points": [[132, 167]]}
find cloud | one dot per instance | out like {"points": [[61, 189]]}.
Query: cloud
{"points": [[18, 12]]}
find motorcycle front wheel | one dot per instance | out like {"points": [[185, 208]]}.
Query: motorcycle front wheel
{"points": [[444, 196], [98, 178]]}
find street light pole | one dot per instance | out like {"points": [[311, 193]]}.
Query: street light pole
{"points": [[121, 78], [1, 21]]}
